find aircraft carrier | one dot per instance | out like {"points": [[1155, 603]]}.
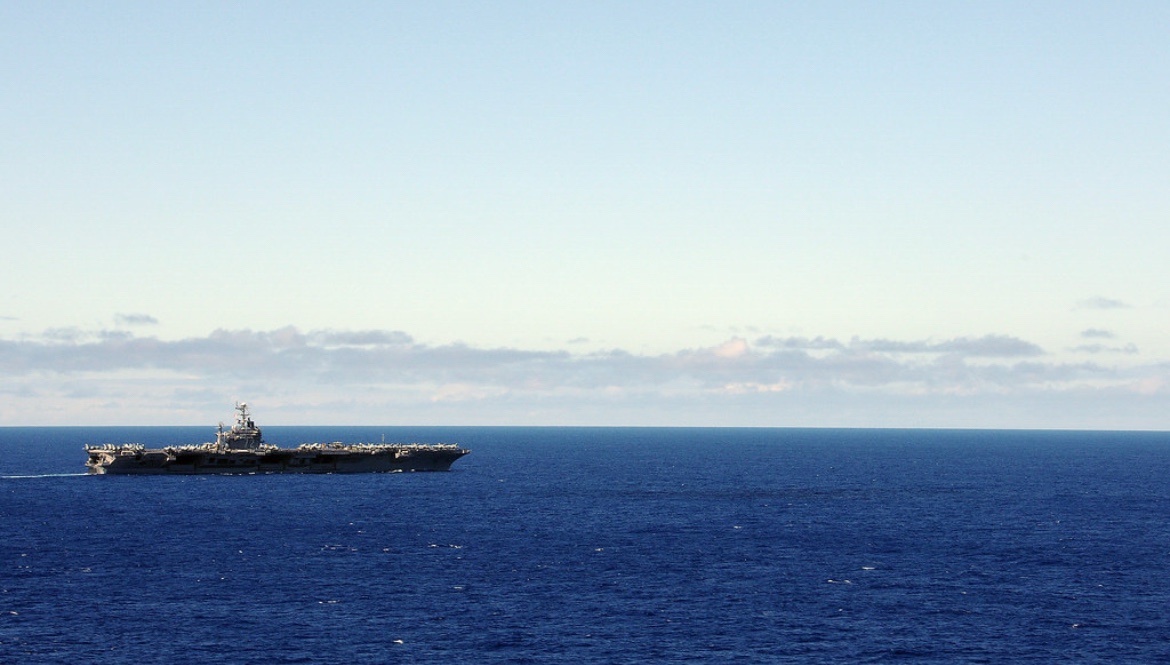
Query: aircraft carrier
{"points": [[241, 450]]}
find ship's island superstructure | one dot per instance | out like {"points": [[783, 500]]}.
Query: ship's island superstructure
{"points": [[241, 449]]}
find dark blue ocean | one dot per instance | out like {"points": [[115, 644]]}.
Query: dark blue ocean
{"points": [[598, 545]]}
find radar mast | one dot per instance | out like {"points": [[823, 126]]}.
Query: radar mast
{"points": [[243, 435]]}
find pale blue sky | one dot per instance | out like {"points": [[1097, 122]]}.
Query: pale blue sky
{"points": [[587, 213]]}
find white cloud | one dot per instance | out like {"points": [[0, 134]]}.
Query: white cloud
{"points": [[734, 348]]}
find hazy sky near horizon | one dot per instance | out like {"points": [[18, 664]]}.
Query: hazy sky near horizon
{"points": [[697, 213]]}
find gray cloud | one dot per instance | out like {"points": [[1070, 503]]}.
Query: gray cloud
{"points": [[800, 343], [1130, 349], [988, 346], [135, 320], [363, 375], [360, 338], [1097, 333], [1102, 303], [394, 358]]}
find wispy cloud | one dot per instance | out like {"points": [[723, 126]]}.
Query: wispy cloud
{"points": [[1103, 303], [988, 346], [1099, 347], [362, 338], [135, 320], [1130, 349], [801, 343]]}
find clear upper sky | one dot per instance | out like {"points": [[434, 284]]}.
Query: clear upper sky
{"points": [[723, 213]]}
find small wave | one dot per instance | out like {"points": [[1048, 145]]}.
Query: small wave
{"points": [[46, 475]]}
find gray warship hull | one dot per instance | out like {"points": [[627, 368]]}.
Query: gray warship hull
{"points": [[310, 458], [242, 450]]}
